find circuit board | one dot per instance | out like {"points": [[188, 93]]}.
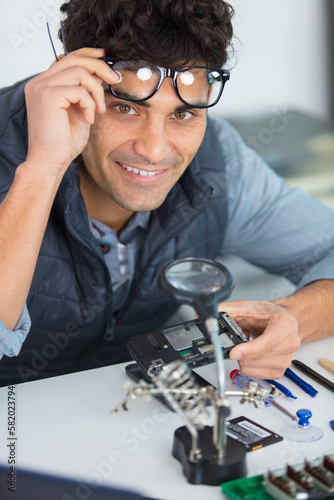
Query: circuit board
{"points": [[313, 477]]}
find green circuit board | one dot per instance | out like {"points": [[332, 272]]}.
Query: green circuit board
{"points": [[247, 488], [315, 477]]}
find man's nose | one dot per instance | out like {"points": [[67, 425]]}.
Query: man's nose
{"points": [[152, 141]]}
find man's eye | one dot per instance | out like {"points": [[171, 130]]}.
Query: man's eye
{"points": [[125, 109], [182, 115]]}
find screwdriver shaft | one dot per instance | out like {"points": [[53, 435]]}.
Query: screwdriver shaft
{"points": [[284, 410]]}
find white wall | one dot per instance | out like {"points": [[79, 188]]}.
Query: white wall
{"points": [[25, 48], [281, 60]]}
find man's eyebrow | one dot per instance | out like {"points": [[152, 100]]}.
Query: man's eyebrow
{"points": [[182, 108]]}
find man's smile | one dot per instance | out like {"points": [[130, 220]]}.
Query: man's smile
{"points": [[141, 175], [144, 173]]}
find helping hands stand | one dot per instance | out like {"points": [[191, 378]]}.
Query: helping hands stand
{"points": [[207, 454], [197, 445]]}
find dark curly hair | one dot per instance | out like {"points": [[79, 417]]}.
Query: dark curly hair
{"points": [[163, 32]]}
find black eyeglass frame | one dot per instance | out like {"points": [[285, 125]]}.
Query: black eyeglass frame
{"points": [[167, 72]]}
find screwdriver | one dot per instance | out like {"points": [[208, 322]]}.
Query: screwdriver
{"points": [[243, 381]]}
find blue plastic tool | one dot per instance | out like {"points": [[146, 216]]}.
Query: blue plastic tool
{"points": [[284, 390], [301, 383]]}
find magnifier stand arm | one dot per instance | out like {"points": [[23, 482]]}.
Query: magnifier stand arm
{"points": [[221, 404], [195, 452], [212, 328]]}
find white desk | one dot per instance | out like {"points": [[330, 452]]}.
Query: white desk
{"points": [[64, 427]]}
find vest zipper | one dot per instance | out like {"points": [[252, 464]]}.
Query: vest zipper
{"points": [[136, 285], [108, 319]]}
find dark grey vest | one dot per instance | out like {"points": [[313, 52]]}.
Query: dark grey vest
{"points": [[70, 298]]}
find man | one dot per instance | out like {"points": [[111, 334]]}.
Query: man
{"points": [[110, 168]]}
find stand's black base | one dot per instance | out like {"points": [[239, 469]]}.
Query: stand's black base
{"points": [[208, 470]]}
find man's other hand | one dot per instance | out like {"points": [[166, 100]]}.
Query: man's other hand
{"points": [[274, 333]]}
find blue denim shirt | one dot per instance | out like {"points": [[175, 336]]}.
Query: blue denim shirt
{"points": [[120, 254], [278, 228]]}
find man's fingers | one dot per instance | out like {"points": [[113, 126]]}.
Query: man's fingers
{"points": [[89, 52], [86, 59], [263, 372], [84, 52], [78, 96], [76, 77], [275, 337], [248, 314], [279, 337], [275, 362]]}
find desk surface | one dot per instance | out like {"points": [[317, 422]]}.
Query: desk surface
{"points": [[64, 427]]}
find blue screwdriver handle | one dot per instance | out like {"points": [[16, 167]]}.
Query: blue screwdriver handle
{"points": [[243, 381], [300, 382]]}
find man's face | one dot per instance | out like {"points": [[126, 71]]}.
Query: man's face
{"points": [[137, 152]]}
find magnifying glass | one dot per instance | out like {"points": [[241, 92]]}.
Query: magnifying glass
{"points": [[198, 282], [202, 283]]}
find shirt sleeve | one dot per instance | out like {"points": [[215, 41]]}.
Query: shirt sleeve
{"points": [[11, 340], [270, 224]]}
